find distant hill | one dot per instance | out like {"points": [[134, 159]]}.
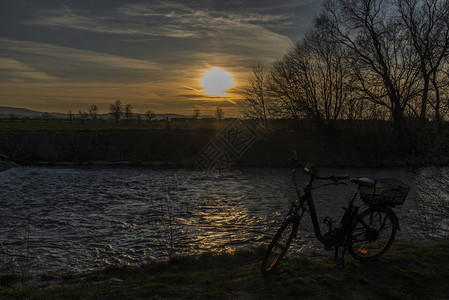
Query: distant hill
{"points": [[16, 112], [163, 116], [6, 112]]}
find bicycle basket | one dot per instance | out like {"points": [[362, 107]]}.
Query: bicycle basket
{"points": [[388, 191]]}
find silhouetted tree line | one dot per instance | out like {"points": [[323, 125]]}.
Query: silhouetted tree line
{"points": [[117, 110], [84, 115], [363, 59]]}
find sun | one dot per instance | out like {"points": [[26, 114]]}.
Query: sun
{"points": [[216, 82]]}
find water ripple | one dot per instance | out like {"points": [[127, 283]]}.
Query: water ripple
{"points": [[77, 219]]}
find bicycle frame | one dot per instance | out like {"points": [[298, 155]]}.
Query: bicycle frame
{"points": [[336, 237], [355, 228]]}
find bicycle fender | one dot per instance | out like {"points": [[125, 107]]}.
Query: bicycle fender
{"points": [[395, 217]]}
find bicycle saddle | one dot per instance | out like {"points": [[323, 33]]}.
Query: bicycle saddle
{"points": [[364, 182]]}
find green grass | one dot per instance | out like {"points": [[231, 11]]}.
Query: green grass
{"points": [[404, 272]]}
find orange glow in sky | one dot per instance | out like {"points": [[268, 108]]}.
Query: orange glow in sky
{"points": [[57, 56]]}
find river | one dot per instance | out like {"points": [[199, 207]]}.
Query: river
{"points": [[77, 219]]}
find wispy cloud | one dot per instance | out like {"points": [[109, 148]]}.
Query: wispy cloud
{"points": [[222, 38], [170, 19], [146, 53], [12, 64], [124, 21], [76, 55], [17, 71]]}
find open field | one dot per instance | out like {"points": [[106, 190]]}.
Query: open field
{"points": [[77, 125], [33, 141], [404, 272], [368, 144]]}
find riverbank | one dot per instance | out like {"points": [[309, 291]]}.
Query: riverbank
{"points": [[404, 272], [180, 147], [366, 143]]}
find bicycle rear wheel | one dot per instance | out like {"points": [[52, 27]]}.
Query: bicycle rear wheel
{"points": [[279, 245], [373, 233]]}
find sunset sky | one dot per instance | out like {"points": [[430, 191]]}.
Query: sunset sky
{"points": [[58, 55]]}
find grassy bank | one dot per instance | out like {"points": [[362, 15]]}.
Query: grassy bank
{"points": [[369, 144], [84, 143], [77, 125], [405, 272]]}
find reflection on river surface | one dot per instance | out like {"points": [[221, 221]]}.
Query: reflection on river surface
{"points": [[77, 219]]}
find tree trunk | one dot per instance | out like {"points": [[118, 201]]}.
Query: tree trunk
{"points": [[399, 124], [422, 116]]}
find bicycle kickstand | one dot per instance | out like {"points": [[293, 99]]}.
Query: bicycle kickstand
{"points": [[340, 261]]}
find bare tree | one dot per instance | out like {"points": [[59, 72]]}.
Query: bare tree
{"points": [[444, 92], [283, 83], [384, 62], [149, 115], [83, 115], [316, 82], [196, 113], [219, 113], [116, 110], [257, 97], [46, 116], [426, 23], [128, 112], [70, 115], [93, 111]]}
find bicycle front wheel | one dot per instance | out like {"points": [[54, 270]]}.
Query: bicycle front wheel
{"points": [[373, 233], [279, 245]]}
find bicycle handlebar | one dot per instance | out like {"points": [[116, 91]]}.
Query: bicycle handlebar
{"points": [[336, 177], [311, 170], [335, 180]]}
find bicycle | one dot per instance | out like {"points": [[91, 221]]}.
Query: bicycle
{"points": [[366, 231]]}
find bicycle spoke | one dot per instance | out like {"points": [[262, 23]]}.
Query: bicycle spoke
{"points": [[372, 235], [383, 223], [358, 234], [365, 226], [279, 245], [380, 218]]}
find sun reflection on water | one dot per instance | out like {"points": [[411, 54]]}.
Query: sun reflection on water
{"points": [[82, 219]]}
